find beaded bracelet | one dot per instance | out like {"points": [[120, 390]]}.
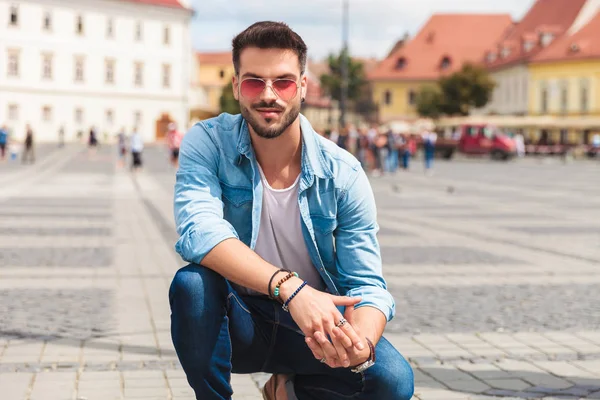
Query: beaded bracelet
{"points": [[287, 302], [271, 281], [282, 281]]}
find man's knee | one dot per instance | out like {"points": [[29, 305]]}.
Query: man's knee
{"points": [[393, 375], [196, 288]]}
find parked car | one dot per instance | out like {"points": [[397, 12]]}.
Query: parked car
{"points": [[480, 140]]}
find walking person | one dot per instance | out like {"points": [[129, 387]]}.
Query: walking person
{"points": [[174, 138], [137, 147], [28, 156], [279, 226], [61, 137], [3, 142], [429, 140], [121, 148]]}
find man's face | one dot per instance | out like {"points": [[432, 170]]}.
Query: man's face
{"points": [[271, 111]]}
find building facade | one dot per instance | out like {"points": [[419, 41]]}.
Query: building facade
{"points": [[444, 44], [213, 72], [108, 64]]}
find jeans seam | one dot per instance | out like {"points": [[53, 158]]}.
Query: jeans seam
{"points": [[273, 339], [237, 301]]}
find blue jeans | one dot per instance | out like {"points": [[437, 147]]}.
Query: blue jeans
{"points": [[216, 332]]}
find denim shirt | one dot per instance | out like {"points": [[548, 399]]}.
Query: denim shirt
{"points": [[218, 195]]}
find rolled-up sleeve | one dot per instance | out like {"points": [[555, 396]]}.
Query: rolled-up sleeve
{"points": [[198, 206], [358, 256]]}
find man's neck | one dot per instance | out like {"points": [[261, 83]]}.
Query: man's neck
{"points": [[280, 158]]}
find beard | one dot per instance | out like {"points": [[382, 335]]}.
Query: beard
{"points": [[264, 127]]}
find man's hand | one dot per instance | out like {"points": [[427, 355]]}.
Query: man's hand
{"points": [[316, 314], [355, 356]]}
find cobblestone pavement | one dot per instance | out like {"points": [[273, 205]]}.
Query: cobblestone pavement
{"points": [[495, 268]]}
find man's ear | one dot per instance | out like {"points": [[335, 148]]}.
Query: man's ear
{"points": [[303, 87], [234, 87]]}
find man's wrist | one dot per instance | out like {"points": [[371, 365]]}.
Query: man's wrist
{"points": [[288, 287]]}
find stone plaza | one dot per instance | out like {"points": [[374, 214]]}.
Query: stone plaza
{"points": [[495, 268]]}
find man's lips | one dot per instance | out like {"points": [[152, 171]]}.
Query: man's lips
{"points": [[269, 112]]}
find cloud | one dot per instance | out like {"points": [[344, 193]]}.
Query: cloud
{"points": [[375, 25]]}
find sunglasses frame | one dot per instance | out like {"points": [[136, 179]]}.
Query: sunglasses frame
{"points": [[267, 85]]}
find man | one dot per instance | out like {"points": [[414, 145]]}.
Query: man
{"points": [[174, 142], [137, 147], [28, 155], [3, 142], [262, 191]]}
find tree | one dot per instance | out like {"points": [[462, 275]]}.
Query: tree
{"points": [[332, 82], [228, 103], [471, 87], [429, 101]]}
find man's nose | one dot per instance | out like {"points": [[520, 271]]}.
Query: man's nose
{"points": [[268, 95]]}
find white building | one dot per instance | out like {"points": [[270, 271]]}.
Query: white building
{"points": [[110, 64]]}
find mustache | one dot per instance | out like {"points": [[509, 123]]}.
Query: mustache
{"points": [[264, 104]]}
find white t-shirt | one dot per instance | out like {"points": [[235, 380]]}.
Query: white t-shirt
{"points": [[280, 240]]}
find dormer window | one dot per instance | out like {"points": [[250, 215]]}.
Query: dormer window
{"points": [[491, 57], [574, 48], [546, 38], [505, 52], [528, 45], [401, 63], [445, 63]]}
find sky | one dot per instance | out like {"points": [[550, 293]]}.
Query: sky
{"points": [[375, 25]]}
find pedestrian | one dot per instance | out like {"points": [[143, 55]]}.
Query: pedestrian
{"points": [[61, 137], [93, 138], [280, 228], [28, 155], [429, 140], [137, 146], [121, 148], [392, 152], [174, 138], [3, 142]]}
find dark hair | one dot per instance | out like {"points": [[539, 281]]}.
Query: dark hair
{"points": [[269, 35]]}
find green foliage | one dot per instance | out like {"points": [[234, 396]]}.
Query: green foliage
{"points": [[457, 94], [429, 102], [332, 82], [227, 102]]}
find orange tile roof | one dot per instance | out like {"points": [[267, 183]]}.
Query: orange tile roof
{"points": [[458, 38], [545, 16], [162, 3], [215, 58], [582, 44]]}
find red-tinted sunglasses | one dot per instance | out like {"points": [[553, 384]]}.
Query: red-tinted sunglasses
{"points": [[285, 89]]}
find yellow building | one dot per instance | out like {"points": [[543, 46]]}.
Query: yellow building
{"points": [[565, 82], [441, 47], [215, 70]]}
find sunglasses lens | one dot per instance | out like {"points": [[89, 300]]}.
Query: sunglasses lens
{"points": [[252, 88], [285, 88]]}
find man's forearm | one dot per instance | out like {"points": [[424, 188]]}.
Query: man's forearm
{"points": [[237, 263], [371, 322]]}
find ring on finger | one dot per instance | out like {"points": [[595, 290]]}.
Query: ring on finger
{"points": [[323, 360], [341, 323]]}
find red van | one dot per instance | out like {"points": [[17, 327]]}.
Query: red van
{"points": [[484, 140]]}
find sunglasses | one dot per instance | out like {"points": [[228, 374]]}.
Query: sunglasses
{"points": [[285, 89]]}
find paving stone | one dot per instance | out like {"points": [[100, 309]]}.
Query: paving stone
{"points": [[58, 231], [441, 255], [86, 257]]}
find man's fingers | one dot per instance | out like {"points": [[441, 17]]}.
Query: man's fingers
{"points": [[342, 338], [315, 348], [339, 348], [345, 300], [330, 352], [349, 331]]}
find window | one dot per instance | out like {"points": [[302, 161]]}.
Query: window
{"points": [[47, 23], [79, 25], [166, 75], [139, 74], [491, 57], [109, 117], [13, 63], [78, 115], [137, 118], [13, 112], [445, 64], [564, 97], [505, 52], [166, 35], [79, 72], [110, 71], [546, 38], [528, 45], [412, 97], [222, 74], [14, 16], [47, 66], [47, 113], [387, 98], [543, 98], [401, 63], [110, 28], [138, 31], [584, 93]]}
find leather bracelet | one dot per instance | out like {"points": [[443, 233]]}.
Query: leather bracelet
{"points": [[286, 305], [370, 361], [271, 281], [282, 281]]}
